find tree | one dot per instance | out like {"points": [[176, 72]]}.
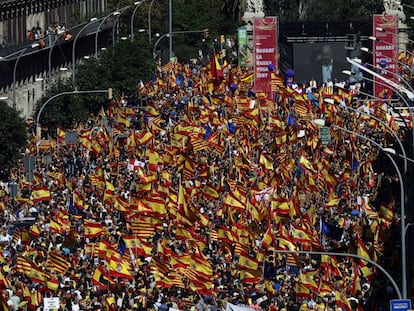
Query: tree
{"points": [[307, 10], [13, 139], [204, 14]]}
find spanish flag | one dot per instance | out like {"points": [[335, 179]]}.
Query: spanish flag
{"points": [[120, 268], [245, 261], [60, 135], [101, 278], [93, 229], [267, 238], [250, 276], [52, 284], [342, 302], [233, 202], [40, 194]]}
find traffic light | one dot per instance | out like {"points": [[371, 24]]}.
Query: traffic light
{"points": [[110, 93], [206, 33]]}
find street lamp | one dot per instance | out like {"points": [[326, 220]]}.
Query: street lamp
{"points": [[402, 195], [115, 13], [156, 44], [34, 45], [115, 25], [170, 28], [398, 92], [149, 21], [91, 21], [137, 5]]}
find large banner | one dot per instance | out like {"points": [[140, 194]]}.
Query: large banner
{"points": [[264, 51], [385, 48]]}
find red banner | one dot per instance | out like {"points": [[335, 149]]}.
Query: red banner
{"points": [[385, 48], [265, 51]]}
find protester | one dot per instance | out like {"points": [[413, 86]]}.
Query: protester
{"points": [[198, 194]]}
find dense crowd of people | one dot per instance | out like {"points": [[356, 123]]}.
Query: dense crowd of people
{"points": [[200, 194]]}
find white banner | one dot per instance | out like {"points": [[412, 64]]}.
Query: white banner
{"points": [[232, 307]]}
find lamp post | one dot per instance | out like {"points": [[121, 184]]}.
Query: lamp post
{"points": [[137, 5], [149, 21], [170, 28], [402, 195], [99, 29], [391, 83], [91, 21], [15, 70], [156, 44], [115, 13], [115, 25]]}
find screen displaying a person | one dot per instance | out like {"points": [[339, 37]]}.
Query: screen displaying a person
{"points": [[326, 60], [322, 62]]}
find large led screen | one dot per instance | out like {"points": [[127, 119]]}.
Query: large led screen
{"points": [[321, 61]]}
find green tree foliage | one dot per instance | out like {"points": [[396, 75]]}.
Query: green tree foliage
{"points": [[13, 139], [307, 10], [344, 10]]}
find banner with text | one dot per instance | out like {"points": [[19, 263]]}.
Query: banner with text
{"points": [[265, 51], [385, 52]]}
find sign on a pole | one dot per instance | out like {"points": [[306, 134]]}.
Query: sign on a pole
{"points": [[29, 167], [400, 304], [324, 133]]}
